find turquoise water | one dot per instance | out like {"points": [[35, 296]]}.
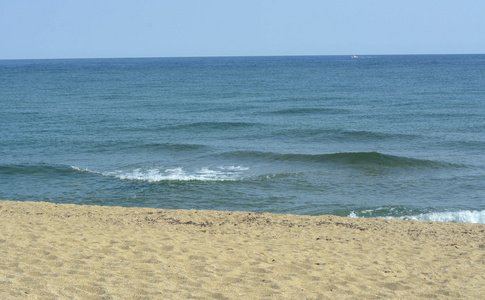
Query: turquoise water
{"points": [[373, 136]]}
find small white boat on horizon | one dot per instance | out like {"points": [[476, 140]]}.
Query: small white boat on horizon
{"points": [[354, 56]]}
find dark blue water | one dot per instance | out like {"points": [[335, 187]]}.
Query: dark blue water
{"points": [[373, 136]]}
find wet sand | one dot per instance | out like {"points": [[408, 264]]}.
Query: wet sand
{"points": [[64, 251]]}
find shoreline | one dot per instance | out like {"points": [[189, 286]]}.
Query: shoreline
{"points": [[100, 252]]}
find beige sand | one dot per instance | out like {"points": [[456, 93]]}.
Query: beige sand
{"points": [[50, 251]]}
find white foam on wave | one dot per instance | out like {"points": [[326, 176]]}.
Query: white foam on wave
{"points": [[461, 216], [231, 173], [353, 215], [234, 168], [223, 173], [81, 169]]}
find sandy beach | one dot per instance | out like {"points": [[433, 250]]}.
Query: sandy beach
{"points": [[64, 251]]}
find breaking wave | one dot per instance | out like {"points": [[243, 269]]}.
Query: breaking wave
{"points": [[359, 159], [459, 216], [227, 173]]}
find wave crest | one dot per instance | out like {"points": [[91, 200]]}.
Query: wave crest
{"points": [[459, 216], [152, 175], [349, 159], [462, 216], [31, 169]]}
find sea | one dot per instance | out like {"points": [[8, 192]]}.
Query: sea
{"points": [[367, 136]]}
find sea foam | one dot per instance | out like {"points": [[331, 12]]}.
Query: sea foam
{"points": [[461, 216], [225, 173]]}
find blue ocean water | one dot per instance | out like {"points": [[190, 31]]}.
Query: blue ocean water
{"points": [[373, 136]]}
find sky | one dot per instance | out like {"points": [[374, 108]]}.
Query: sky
{"points": [[32, 29]]}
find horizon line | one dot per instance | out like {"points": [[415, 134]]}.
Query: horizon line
{"points": [[229, 56]]}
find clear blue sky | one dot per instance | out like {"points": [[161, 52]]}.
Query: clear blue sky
{"points": [[150, 28]]}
